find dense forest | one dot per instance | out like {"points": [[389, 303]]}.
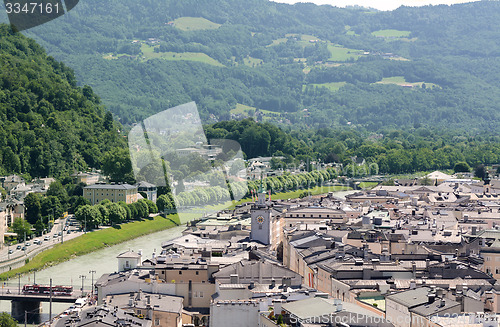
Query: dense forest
{"points": [[48, 125], [299, 65]]}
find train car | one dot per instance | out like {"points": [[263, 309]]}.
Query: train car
{"points": [[44, 289]]}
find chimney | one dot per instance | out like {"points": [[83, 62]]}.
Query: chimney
{"points": [[286, 281], [414, 269], [442, 303], [252, 285], [474, 230], [431, 297], [427, 264], [273, 283], [234, 279], [413, 284]]}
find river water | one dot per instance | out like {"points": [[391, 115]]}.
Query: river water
{"points": [[101, 261]]}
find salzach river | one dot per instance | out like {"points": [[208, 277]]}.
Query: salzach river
{"points": [[102, 261]]}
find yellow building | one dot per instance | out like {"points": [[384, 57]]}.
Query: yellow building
{"points": [[113, 192], [491, 256]]}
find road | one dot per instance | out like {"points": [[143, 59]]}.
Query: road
{"points": [[6, 258]]}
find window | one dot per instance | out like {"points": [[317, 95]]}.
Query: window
{"points": [[260, 226], [139, 312], [201, 294], [180, 272], [197, 272], [157, 322], [195, 294]]}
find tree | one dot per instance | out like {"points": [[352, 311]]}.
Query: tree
{"points": [[32, 204], [151, 206], [117, 165], [480, 171], [116, 213], [57, 189], [21, 227], [51, 207], [461, 167], [6, 320], [163, 202], [88, 216]]}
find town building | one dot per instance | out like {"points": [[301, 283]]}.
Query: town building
{"points": [[113, 192]]}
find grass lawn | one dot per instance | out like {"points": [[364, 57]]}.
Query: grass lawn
{"points": [[367, 185], [400, 80], [242, 109], [93, 241], [149, 53], [333, 86], [391, 33], [195, 24], [340, 53]]}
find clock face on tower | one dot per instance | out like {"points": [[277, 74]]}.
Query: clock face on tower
{"points": [[260, 219]]}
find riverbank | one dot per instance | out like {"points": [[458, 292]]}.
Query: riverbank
{"points": [[96, 240], [93, 241]]}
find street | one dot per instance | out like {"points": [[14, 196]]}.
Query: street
{"points": [[59, 226]]}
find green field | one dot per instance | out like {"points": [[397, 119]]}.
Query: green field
{"points": [[93, 241], [251, 62], [148, 53], [400, 80], [391, 33], [333, 86], [367, 185], [242, 109], [340, 53], [195, 24]]}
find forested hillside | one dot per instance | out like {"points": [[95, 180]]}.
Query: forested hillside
{"points": [[48, 125], [302, 65]]}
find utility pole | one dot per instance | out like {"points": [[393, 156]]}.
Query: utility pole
{"points": [[50, 301], [34, 277], [25, 317], [83, 278], [92, 272], [19, 284], [62, 231]]}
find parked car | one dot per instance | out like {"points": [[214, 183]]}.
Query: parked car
{"points": [[46, 238], [18, 247], [10, 251]]}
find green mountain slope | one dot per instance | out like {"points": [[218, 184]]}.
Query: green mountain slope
{"points": [[436, 65], [48, 125]]}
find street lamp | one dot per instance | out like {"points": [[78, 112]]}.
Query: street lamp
{"points": [[92, 272], [83, 278]]}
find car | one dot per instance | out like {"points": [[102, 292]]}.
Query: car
{"points": [[68, 232], [46, 238], [18, 247], [54, 236], [23, 248], [27, 244], [36, 241], [10, 251], [59, 234]]}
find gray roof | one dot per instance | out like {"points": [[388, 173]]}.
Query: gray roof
{"points": [[411, 298], [434, 308], [111, 187]]}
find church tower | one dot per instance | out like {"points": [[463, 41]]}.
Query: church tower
{"points": [[261, 220]]}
